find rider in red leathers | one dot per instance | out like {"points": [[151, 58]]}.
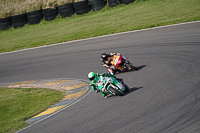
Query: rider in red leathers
{"points": [[106, 59]]}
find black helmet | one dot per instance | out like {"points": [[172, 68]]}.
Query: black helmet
{"points": [[104, 56]]}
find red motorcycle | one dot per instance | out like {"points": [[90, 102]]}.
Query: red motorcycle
{"points": [[121, 64]]}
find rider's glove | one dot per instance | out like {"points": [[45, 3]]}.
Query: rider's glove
{"points": [[107, 66]]}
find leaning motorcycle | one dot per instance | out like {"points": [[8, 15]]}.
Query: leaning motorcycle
{"points": [[110, 85], [121, 64]]}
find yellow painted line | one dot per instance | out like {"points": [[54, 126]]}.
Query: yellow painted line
{"points": [[22, 83], [57, 82], [71, 87], [74, 95], [50, 111]]}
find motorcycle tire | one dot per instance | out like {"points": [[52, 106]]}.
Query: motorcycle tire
{"points": [[130, 67], [126, 88], [114, 91]]}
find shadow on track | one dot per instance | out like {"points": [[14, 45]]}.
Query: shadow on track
{"points": [[133, 89], [130, 91], [136, 69], [140, 67]]}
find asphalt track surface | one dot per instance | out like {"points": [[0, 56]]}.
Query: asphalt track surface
{"points": [[164, 94]]}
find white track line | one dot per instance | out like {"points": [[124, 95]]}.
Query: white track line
{"points": [[59, 109], [100, 37]]}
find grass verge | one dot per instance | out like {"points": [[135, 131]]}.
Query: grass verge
{"points": [[17, 105], [122, 18]]}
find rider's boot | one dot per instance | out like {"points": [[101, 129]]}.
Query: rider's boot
{"points": [[111, 72], [104, 95]]}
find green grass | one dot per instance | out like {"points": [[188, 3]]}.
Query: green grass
{"points": [[109, 20], [17, 105]]}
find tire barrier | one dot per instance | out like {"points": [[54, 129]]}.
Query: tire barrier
{"points": [[97, 5], [34, 17], [126, 2], [113, 3], [50, 13], [5, 23], [81, 7], [19, 21], [66, 10]]}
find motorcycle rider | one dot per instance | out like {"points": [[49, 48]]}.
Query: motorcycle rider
{"points": [[95, 80], [106, 59]]}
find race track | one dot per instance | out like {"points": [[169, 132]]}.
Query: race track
{"points": [[164, 94]]}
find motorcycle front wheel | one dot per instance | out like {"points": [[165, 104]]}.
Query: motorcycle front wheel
{"points": [[126, 88], [114, 91]]}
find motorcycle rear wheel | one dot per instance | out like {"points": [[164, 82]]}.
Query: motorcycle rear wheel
{"points": [[130, 67]]}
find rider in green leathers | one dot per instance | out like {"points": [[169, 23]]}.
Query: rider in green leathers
{"points": [[96, 78]]}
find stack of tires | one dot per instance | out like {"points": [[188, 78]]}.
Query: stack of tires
{"points": [[66, 10], [97, 5], [34, 17], [113, 3], [50, 13], [126, 2], [5, 23], [81, 7], [19, 21]]}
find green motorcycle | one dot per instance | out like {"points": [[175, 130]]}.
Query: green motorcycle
{"points": [[110, 85]]}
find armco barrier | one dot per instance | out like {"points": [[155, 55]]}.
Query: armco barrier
{"points": [[50, 14]]}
